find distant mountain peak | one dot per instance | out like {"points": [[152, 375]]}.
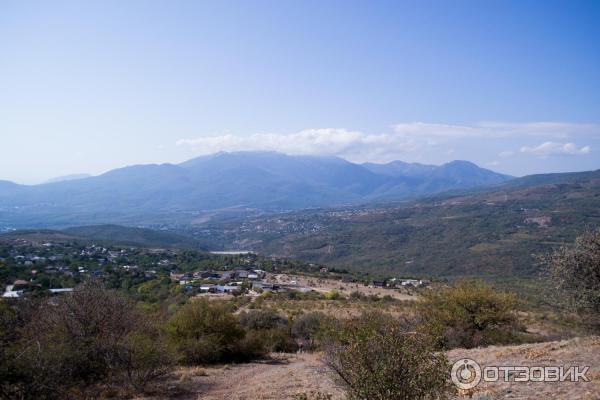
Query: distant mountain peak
{"points": [[461, 163], [70, 177]]}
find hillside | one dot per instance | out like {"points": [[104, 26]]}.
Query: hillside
{"points": [[176, 194], [134, 236], [495, 233], [110, 234]]}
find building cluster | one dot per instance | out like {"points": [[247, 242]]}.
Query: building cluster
{"points": [[49, 266], [227, 281], [395, 283], [242, 280]]}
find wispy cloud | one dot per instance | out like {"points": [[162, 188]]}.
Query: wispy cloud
{"points": [[402, 140], [491, 130], [352, 145], [553, 148]]}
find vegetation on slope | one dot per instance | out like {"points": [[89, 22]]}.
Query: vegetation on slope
{"points": [[497, 233]]}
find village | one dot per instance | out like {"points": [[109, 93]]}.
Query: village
{"points": [[30, 265], [252, 282]]}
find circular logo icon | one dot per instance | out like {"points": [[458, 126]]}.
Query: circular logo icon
{"points": [[466, 373]]}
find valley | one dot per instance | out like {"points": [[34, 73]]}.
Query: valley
{"points": [[496, 232]]}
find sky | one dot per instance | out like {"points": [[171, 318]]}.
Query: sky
{"points": [[86, 87]]}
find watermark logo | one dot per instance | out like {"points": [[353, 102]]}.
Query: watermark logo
{"points": [[467, 374]]}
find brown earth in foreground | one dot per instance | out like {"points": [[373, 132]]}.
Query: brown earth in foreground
{"points": [[282, 377], [573, 352], [285, 376]]}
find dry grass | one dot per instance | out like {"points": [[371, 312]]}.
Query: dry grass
{"points": [[287, 376], [578, 351]]}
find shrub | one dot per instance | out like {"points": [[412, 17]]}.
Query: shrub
{"points": [[262, 319], [356, 295], [252, 346], [332, 295], [470, 314], [271, 340], [307, 328], [268, 329], [380, 358], [9, 376], [204, 332], [84, 339], [574, 275], [146, 356]]}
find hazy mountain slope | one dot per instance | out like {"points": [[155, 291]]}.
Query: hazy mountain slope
{"points": [[280, 181], [431, 179], [244, 180], [400, 168], [70, 177], [557, 178], [135, 236], [109, 234], [7, 184], [493, 233]]}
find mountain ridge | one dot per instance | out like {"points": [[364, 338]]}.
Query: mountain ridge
{"points": [[265, 181]]}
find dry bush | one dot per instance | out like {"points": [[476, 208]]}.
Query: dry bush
{"points": [[574, 276], [262, 319], [77, 342], [378, 357], [470, 314], [308, 327], [207, 332]]}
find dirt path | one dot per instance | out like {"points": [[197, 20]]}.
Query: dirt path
{"points": [[281, 378]]}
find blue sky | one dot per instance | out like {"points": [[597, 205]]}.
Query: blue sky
{"points": [[90, 86]]}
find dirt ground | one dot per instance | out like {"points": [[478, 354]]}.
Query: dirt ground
{"points": [[283, 377], [323, 285], [286, 376], [345, 288], [573, 352]]}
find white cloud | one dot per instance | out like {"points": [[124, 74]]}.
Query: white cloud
{"points": [[553, 148], [405, 141], [352, 145], [490, 130]]}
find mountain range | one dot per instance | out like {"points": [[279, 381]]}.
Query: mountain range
{"points": [[264, 181]]}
